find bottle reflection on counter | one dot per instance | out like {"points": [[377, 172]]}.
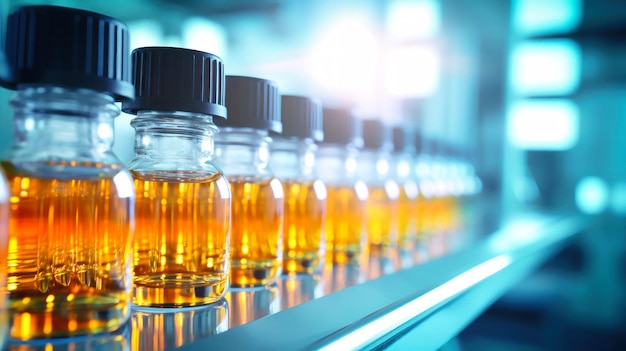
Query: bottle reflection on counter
{"points": [[120, 340], [298, 289], [338, 277], [247, 305], [164, 329]]}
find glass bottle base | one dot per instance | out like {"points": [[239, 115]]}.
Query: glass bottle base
{"points": [[301, 262], [178, 290], [341, 257], [246, 273], [66, 315]]}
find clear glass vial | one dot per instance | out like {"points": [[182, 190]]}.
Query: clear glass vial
{"points": [[4, 221], [374, 168], [4, 226], [182, 233], [401, 167], [346, 195], [72, 201], [443, 195], [242, 149], [293, 160], [428, 190]]}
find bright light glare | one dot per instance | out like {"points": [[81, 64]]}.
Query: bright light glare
{"points": [[379, 327], [145, 33], [204, 35], [541, 16], [413, 19], [124, 185], [277, 188], [392, 189], [124, 137], [544, 125], [411, 71], [345, 58], [546, 67], [361, 190], [518, 233], [4, 196], [592, 195]]}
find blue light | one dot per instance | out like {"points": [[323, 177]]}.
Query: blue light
{"points": [[546, 67], [413, 19], [546, 16], [544, 125], [592, 195]]}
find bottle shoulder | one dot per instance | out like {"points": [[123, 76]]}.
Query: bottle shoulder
{"points": [[62, 169], [62, 177], [179, 176], [28, 154], [147, 165]]}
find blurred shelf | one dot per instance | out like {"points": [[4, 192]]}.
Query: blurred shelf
{"points": [[411, 305], [609, 82], [380, 304], [615, 32]]}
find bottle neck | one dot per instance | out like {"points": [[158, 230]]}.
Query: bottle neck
{"points": [[423, 166], [336, 163], [63, 124], [401, 165], [293, 158], [174, 136], [243, 151], [373, 165]]}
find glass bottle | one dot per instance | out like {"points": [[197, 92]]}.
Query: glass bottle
{"points": [[426, 219], [181, 248], [4, 221], [293, 160], [346, 195], [470, 210], [440, 196], [72, 201], [455, 187], [242, 149], [401, 173], [4, 226], [373, 166]]}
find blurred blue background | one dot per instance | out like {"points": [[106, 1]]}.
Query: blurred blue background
{"points": [[534, 92]]}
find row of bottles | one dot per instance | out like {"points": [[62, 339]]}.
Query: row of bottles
{"points": [[232, 184]]}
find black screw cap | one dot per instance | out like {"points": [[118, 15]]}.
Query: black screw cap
{"points": [[302, 117], [252, 103], [51, 45], [342, 127], [376, 135], [175, 79]]}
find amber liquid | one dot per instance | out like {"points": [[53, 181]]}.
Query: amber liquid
{"points": [[435, 225], [381, 214], [407, 217], [448, 222], [345, 220], [256, 232], [4, 226], [69, 251], [425, 219], [303, 234], [181, 238]]}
